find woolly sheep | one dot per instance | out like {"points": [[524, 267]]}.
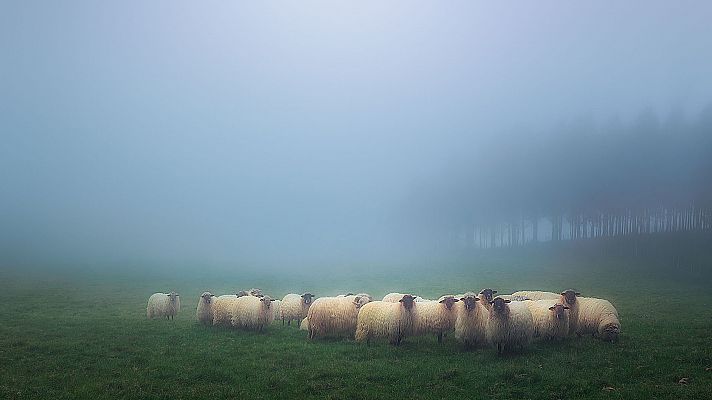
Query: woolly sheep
{"points": [[163, 305], [514, 297], [334, 316], [435, 317], [396, 297], [567, 298], [550, 317], [471, 321], [255, 292], [222, 309], [204, 312], [380, 319], [598, 317], [276, 307], [295, 307], [510, 325], [252, 313]]}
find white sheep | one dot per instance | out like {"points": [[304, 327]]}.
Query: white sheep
{"points": [[435, 317], [334, 316], [598, 317], [567, 298], [471, 321], [537, 295], [396, 297], [510, 325], [252, 313], [550, 317], [222, 309], [204, 312], [380, 319], [163, 305], [276, 307], [295, 307]]}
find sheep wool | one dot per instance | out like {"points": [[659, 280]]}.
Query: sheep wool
{"points": [[598, 317], [276, 307], [204, 312], [252, 313], [295, 307], [223, 307], [435, 317], [335, 316], [550, 317], [510, 325], [471, 321], [536, 295], [380, 319], [486, 296], [163, 305]]}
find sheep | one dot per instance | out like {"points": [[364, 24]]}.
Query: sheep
{"points": [[486, 296], [163, 305], [471, 321], [510, 325], [223, 307], [295, 307], [435, 317], [304, 325], [567, 298], [204, 312], [598, 317], [380, 319], [255, 292], [276, 307], [550, 317], [252, 313], [514, 297], [334, 316], [396, 297]]}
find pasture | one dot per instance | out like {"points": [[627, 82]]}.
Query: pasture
{"points": [[85, 335]]}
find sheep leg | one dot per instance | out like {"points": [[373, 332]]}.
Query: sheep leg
{"points": [[282, 321], [499, 348], [440, 337], [289, 322]]}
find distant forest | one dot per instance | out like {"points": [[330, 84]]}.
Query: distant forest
{"points": [[581, 180]]}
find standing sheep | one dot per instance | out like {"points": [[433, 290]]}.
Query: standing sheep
{"points": [[567, 298], [222, 308], [295, 307], [276, 307], [204, 312], [536, 295], [396, 297], [509, 325], [163, 305], [598, 317], [550, 317], [334, 316], [252, 313], [471, 321], [380, 319], [435, 317]]}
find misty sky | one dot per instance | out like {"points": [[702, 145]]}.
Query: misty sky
{"points": [[232, 134]]}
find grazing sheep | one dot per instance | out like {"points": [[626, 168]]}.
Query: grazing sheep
{"points": [[598, 317], [295, 307], [471, 321], [252, 313], [334, 316], [486, 296], [204, 312], [510, 325], [222, 309], [163, 305], [550, 317], [380, 319], [435, 317]]}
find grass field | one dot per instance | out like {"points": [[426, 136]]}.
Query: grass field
{"points": [[74, 335]]}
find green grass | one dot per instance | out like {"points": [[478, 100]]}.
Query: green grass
{"points": [[71, 335]]}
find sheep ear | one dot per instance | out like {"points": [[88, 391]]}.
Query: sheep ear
{"points": [[508, 301], [454, 299], [563, 293], [212, 295], [272, 299], [566, 307], [441, 301], [578, 293], [476, 298], [494, 291], [551, 308], [492, 302]]}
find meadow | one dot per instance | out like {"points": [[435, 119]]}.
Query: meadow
{"points": [[83, 334]]}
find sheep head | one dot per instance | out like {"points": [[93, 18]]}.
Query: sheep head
{"points": [[207, 297], [488, 294], [407, 301], [307, 298], [559, 310], [172, 296], [569, 296], [448, 301], [499, 305], [469, 300], [242, 293], [361, 299], [267, 301]]}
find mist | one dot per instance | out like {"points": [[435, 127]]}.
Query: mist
{"points": [[307, 134]]}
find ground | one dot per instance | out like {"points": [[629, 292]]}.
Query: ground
{"points": [[84, 334]]}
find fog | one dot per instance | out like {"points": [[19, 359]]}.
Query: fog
{"points": [[284, 134]]}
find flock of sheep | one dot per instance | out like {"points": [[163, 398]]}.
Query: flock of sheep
{"points": [[506, 322]]}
